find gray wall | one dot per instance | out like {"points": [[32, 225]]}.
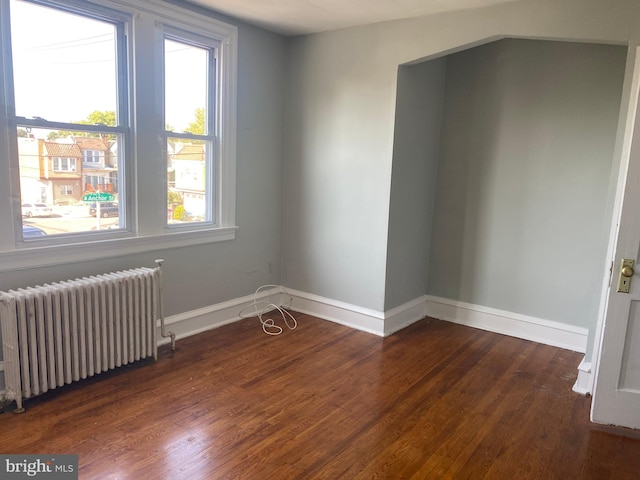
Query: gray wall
{"points": [[341, 99], [338, 169], [204, 275], [413, 179], [528, 138]]}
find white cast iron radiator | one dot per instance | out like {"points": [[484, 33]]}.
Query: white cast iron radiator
{"points": [[59, 333]]}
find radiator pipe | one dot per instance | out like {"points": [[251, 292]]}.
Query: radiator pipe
{"points": [[163, 332]]}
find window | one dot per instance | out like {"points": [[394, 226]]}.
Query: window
{"points": [[92, 156], [94, 180], [64, 139], [65, 190], [63, 165]]}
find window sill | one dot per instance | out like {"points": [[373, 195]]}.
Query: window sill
{"points": [[41, 256]]}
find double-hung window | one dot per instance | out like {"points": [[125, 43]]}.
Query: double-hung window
{"points": [[127, 101]]}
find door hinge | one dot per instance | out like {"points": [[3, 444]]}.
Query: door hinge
{"points": [[610, 273]]}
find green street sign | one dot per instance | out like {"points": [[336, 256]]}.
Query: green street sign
{"points": [[98, 197]]}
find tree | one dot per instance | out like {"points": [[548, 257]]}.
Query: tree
{"points": [[107, 117], [97, 117], [173, 198], [180, 213], [197, 126]]}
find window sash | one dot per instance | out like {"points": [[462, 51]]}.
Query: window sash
{"points": [[121, 131], [210, 136]]}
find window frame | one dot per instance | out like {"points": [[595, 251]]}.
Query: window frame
{"points": [[60, 161], [211, 135], [146, 228], [96, 156]]}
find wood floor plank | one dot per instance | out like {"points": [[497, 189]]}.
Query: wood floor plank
{"points": [[435, 400]]}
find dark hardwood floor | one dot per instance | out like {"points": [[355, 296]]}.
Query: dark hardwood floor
{"points": [[433, 401]]}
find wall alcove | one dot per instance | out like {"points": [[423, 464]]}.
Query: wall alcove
{"points": [[504, 177]]}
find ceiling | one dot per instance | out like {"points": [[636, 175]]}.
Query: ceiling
{"points": [[296, 17]]}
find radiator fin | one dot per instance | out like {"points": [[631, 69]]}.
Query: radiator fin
{"points": [[59, 333]]}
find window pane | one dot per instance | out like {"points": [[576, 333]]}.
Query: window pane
{"points": [[64, 65], [187, 181], [59, 183], [186, 77]]}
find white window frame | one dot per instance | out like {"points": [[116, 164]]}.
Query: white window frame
{"points": [[91, 157], [146, 227], [58, 162]]}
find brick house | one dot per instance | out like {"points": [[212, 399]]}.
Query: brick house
{"points": [[99, 165], [60, 167]]}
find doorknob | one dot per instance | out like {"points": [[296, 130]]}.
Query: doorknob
{"points": [[626, 272]]}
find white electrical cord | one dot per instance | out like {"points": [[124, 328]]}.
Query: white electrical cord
{"points": [[262, 307]]}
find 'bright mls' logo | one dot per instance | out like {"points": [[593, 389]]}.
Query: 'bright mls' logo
{"points": [[58, 467]]}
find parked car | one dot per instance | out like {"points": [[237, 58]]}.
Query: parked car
{"points": [[107, 209], [36, 210], [32, 232]]}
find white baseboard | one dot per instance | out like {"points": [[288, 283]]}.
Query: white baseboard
{"points": [[508, 323], [367, 320], [353, 316], [386, 323], [207, 318], [584, 384], [404, 315]]}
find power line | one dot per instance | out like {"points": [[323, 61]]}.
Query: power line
{"points": [[72, 44], [81, 62]]}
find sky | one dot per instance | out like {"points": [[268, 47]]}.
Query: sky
{"points": [[64, 67]]}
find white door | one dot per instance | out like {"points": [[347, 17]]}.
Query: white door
{"points": [[616, 395]]}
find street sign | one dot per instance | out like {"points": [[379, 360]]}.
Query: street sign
{"points": [[98, 197]]}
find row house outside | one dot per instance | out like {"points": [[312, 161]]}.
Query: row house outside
{"points": [[61, 172], [187, 175], [99, 164]]}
